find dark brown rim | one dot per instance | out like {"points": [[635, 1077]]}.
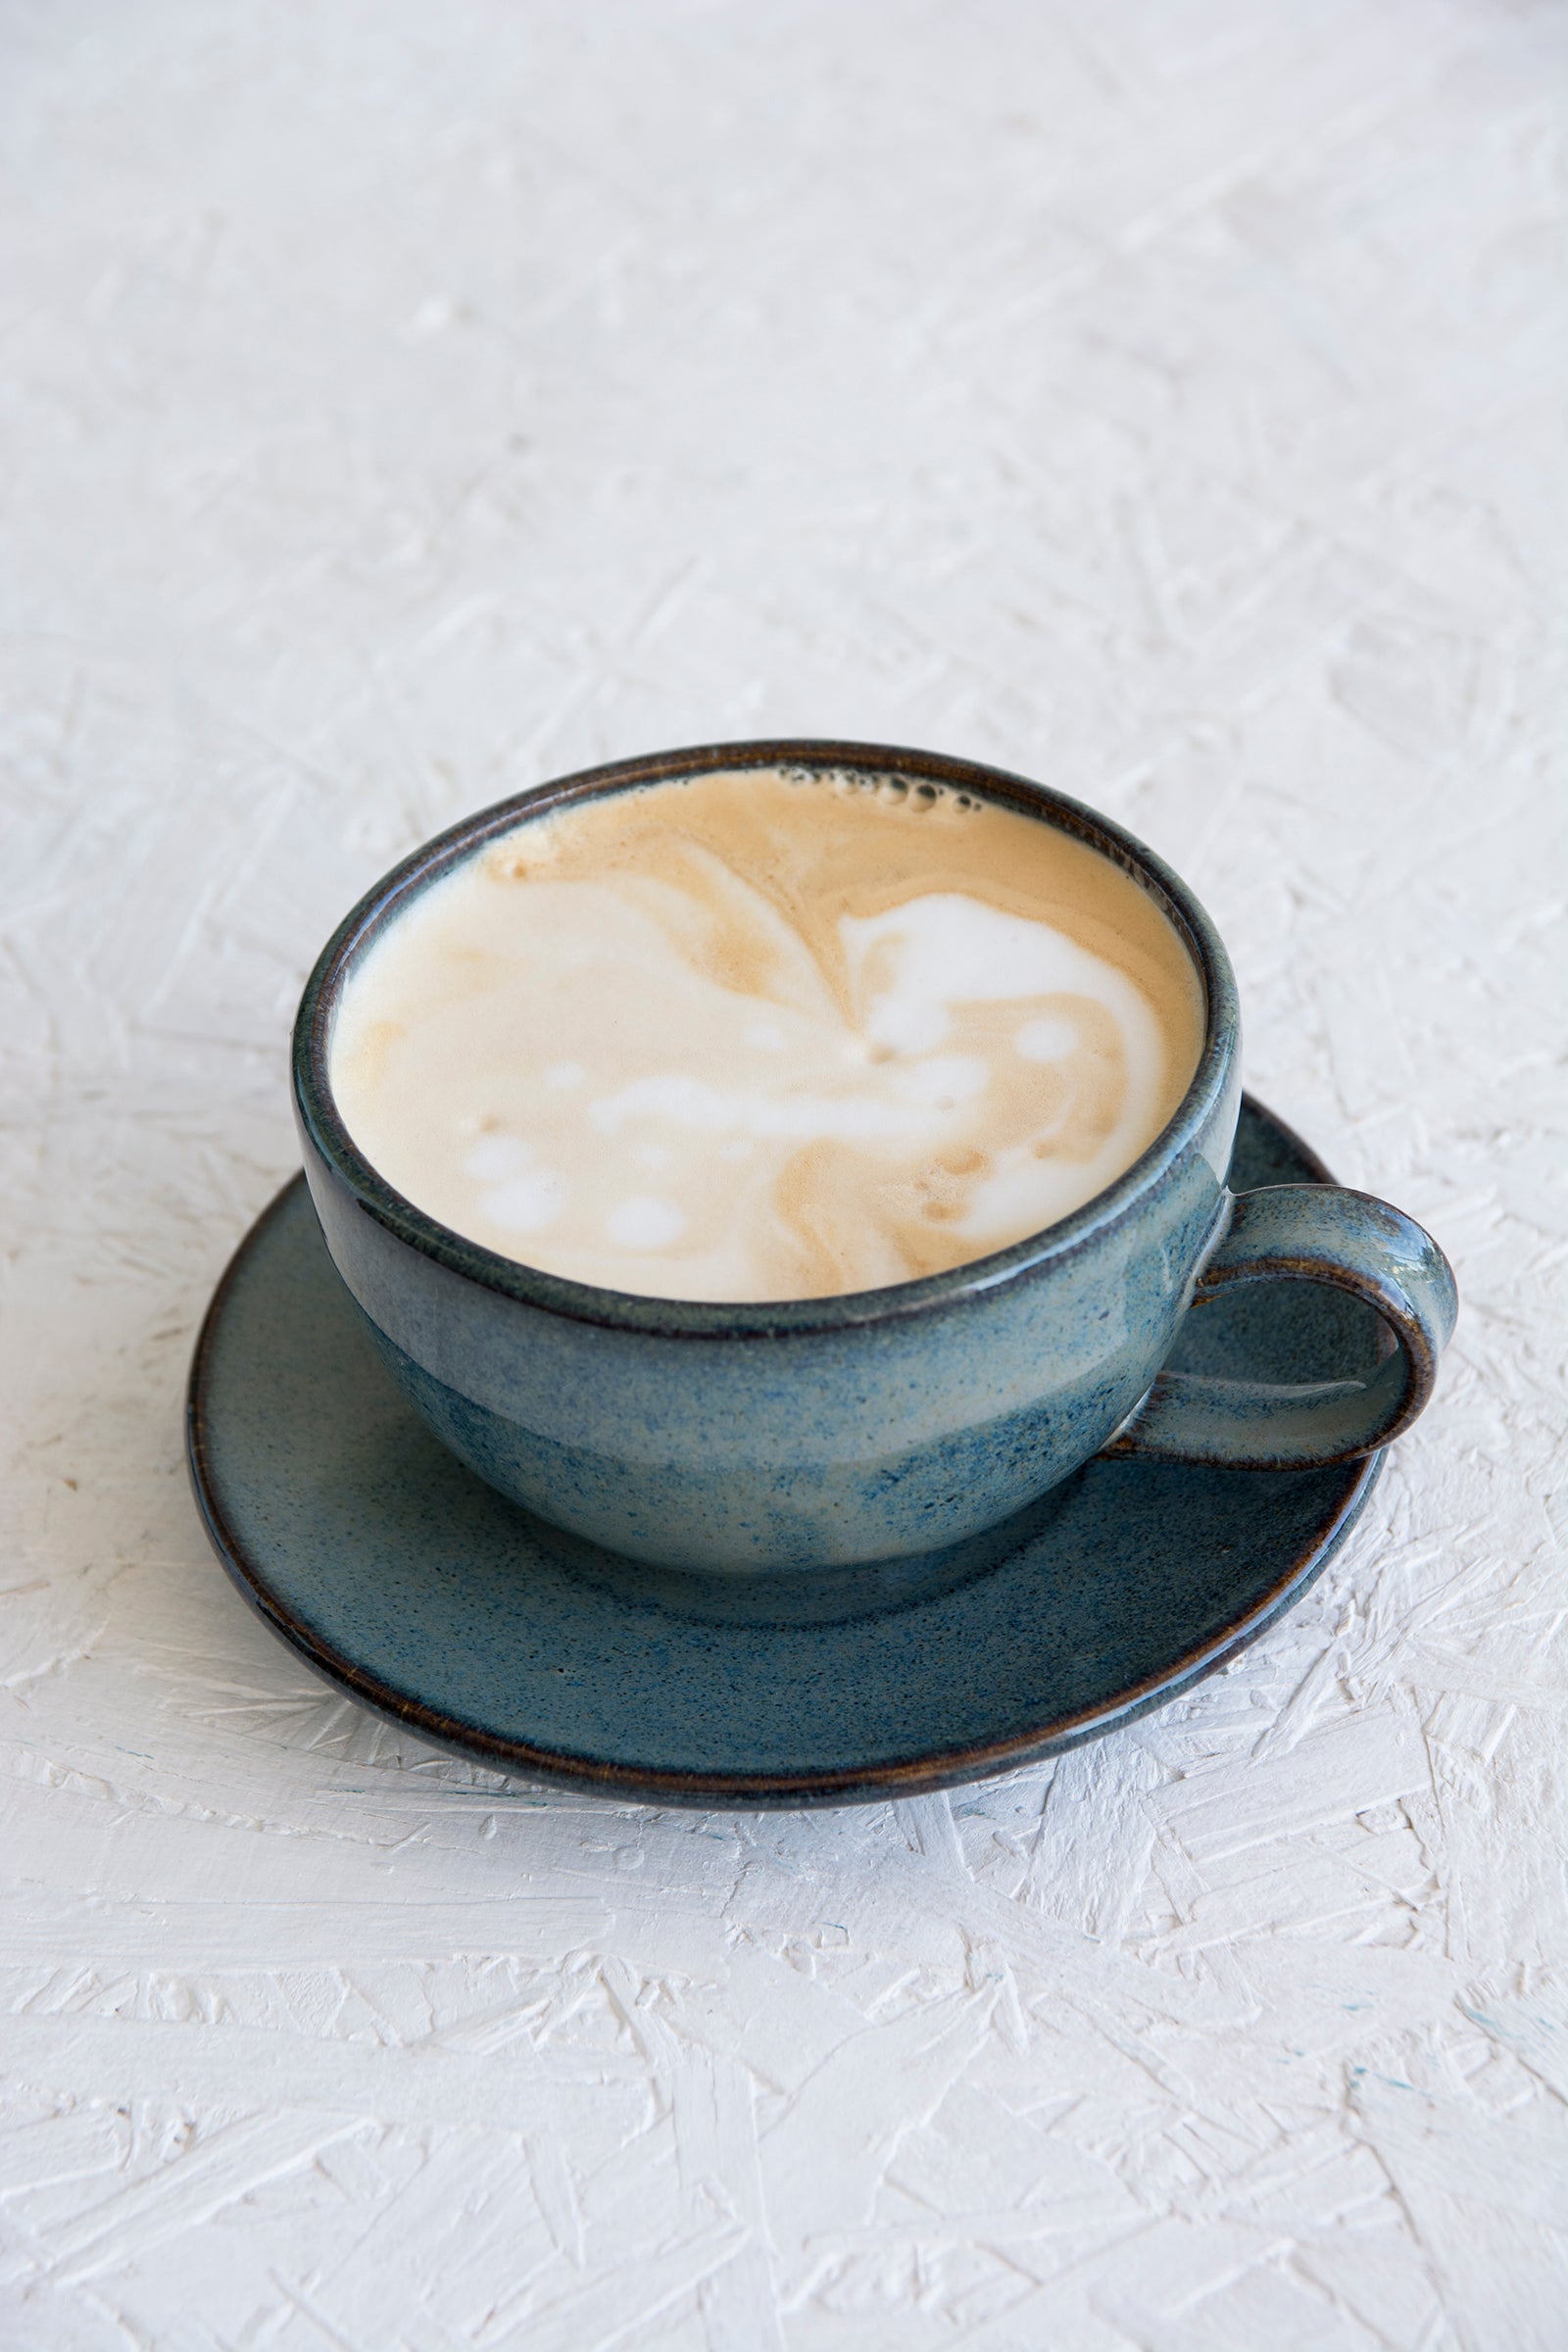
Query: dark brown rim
{"points": [[325, 1133], [912, 1776]]}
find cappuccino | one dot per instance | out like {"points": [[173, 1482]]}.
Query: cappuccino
{"points": [[766, 1034]]}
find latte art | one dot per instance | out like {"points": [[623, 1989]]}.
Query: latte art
{"points": [[766, 1036]]}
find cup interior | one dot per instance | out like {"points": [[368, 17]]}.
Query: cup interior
{"points": [[325, 1127]]}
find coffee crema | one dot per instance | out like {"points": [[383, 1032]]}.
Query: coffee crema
{"points": [[766, 1034]]}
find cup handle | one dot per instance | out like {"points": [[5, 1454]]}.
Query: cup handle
{"points": [[1307, 1233]]}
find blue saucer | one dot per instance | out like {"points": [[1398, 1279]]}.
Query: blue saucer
{"points": [[398, 1575]]}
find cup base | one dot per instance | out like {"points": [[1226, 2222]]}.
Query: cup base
{"points": [[794, 1596]]}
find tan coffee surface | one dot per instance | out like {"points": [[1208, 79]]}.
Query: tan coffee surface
{"points": [[763, 1035]]}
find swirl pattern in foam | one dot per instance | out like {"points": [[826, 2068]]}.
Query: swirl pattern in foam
{"points": [[767, 1035]]}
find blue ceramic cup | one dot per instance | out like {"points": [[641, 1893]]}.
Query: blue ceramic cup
{"points": [[881, 1424]]}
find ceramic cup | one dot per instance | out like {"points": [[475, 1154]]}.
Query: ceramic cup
{"points": [[887, 1423]]}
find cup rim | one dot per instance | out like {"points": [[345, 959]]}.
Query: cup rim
{"points": [[324, 1128]]}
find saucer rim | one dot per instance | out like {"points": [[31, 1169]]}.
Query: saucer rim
{"points": [[839, 1785]]}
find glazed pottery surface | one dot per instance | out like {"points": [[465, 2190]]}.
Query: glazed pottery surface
{"points": [[826, 1433], [367, 1546]]}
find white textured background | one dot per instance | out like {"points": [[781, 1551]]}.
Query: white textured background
{"points": [[399, 404]]}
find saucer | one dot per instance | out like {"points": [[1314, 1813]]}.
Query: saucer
{"points": [[394, 1572]]}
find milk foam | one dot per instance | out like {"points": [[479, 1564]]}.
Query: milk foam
{"points": [[753, 1037]]}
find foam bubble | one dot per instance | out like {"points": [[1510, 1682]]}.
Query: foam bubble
{"points": [[643, 1223], [496, 1157], [526, 1204], [1049, 1039]]}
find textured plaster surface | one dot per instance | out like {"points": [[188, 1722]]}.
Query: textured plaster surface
{"points": [[402, 404]]}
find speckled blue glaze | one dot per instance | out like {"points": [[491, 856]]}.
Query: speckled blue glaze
{"points": [[821, 1433], [369, 1549]]}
